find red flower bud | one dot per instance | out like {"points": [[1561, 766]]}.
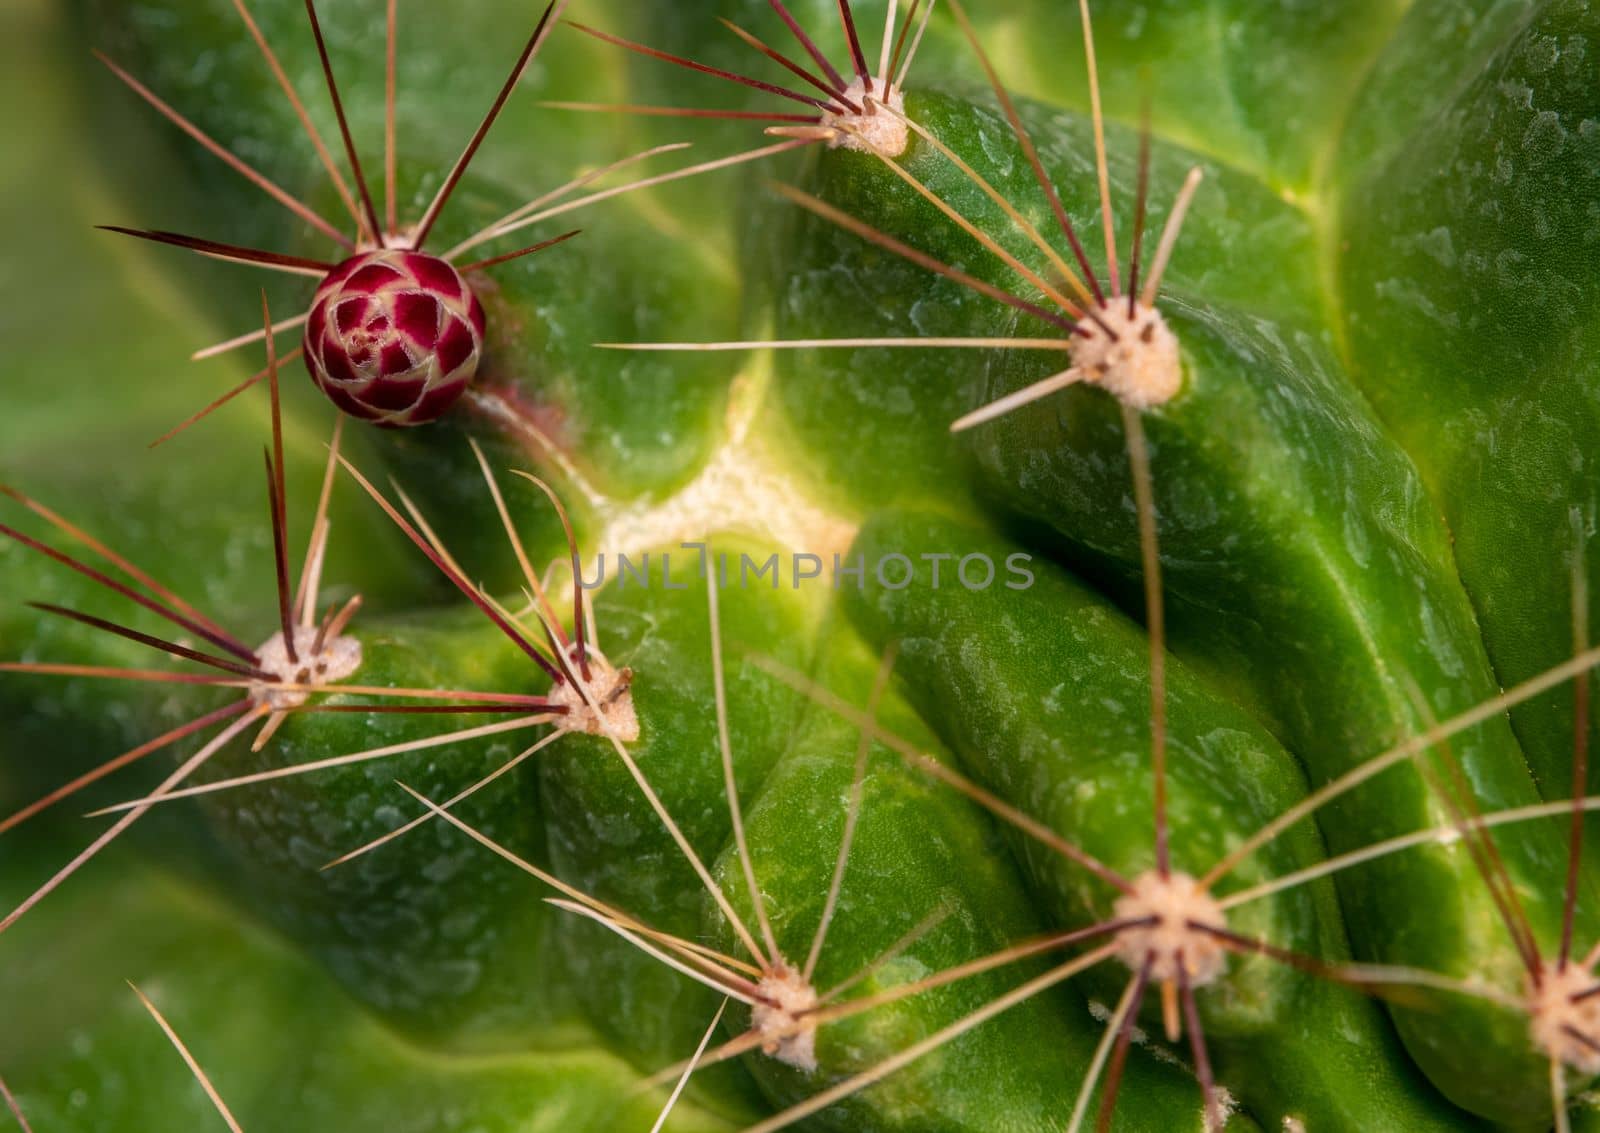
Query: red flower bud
{"points": [[394, 336]]}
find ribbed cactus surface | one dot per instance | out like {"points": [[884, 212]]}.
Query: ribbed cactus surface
{"points": [[858, 566]]}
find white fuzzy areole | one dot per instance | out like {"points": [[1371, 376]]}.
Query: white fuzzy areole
{"points": [[1140, 367], [338, 658], [783, 1000], [612, 690], [1172, 902], [874, 130], [1555, 1012]]}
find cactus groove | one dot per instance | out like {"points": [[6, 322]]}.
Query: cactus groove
{"points": [[1008, 565]]}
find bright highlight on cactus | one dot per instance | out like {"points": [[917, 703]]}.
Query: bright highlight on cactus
{"points": [[1106, 849]]}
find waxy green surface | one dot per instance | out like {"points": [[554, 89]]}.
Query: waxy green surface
{"points": [[1043, 693], [1376, 477]]}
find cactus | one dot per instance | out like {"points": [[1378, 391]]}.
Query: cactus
{"points": [[1007, 587]]}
